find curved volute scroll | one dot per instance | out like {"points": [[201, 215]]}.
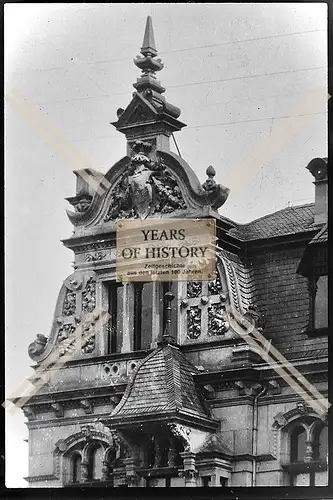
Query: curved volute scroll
{"points": [[74, 315], [92, 187]]}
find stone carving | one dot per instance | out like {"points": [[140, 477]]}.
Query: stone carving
{"points": [[58, 409], [89, 296], [65, 331], [29, 413], [86, 405], [168, 194], [69, 305], [105, 471], [188, 474], [88, 338], [308, 455], [210, 185], [86, 432], [82, 203], [147, 189], [194, 289], [93, 257], [194, 322], [121, 444], [255, 317], [183, 433], [215, 286], [248, 388], [37, 346], [217, 320], [85, 472], [65, 338]]}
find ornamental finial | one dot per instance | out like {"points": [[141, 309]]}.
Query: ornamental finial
{"points": [[147, 63], [148, 44]]}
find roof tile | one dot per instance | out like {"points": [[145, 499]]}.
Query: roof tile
{"points": [[289, 220]]}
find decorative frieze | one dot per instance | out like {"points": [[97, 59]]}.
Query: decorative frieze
{"points": [[96, 256]]}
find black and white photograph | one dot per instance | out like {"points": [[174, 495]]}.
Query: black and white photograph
{"points": [[166, 245]]}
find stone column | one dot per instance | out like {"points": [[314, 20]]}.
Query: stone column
{"points": [[119, 477], [105, 471], [85, 472], [190, 473], [308, 457], [132, 478]]}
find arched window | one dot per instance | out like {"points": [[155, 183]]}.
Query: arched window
{"points": [[308, 454], [76, 467], [297, 444]]}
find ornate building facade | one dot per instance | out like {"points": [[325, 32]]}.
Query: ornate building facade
{"points": [[163, 390]]}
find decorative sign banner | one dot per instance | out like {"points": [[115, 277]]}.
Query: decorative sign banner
{"points": [[166, 250]]}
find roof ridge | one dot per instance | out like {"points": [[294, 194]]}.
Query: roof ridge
{"points": [[171, 377], [273, 213]]}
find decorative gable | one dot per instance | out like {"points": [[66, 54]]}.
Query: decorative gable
{"points": [[138, 111]]}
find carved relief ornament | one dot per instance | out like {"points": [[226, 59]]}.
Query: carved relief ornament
{"points": [[148, 188]]}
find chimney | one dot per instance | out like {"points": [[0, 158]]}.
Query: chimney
{"points": [[318, 168]]}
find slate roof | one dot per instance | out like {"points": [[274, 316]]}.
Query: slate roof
{"points": [[282, 296], [162, 382], [289, 220], [321, 237]]}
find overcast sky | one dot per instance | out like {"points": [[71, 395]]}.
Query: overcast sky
{"points": [[237, 71]]}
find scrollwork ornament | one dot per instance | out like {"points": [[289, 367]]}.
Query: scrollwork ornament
{"points": [[93, 257], [194, 322], [194, 289], [89, 296], [69, 305], [37, 347]]}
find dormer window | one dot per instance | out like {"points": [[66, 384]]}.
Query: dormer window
{"points": [[319, 303], [314, 266]]}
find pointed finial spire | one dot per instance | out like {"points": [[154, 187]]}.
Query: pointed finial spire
{"points": [[148, 44], [147, 63]]}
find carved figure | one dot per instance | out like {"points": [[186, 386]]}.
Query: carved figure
{"points": [[141, 190], [37, 346], [183, 433]]}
